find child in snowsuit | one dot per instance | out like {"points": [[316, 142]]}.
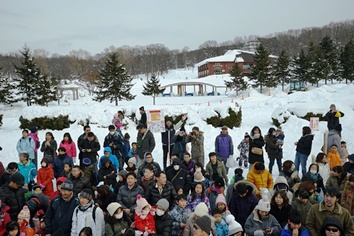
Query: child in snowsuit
{"points": [[280, 140], [144, 220], [244, 147]]}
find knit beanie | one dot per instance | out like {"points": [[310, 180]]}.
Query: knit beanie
{"points": [[234, 226], [67, 185], [24, 214], [112, 208], [140, 203], [163, 203], [132, 160], [220, 199], [264, 203], [201, 209], [60, 180], [219, 182], [198, 176], [204, 223], [86, 193]]}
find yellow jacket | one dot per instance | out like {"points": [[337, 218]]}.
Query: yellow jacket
{"points": [[334, 159], [263, 180]]}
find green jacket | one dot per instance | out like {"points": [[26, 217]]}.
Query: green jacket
{"points": [[220, 169], [302, 208]]}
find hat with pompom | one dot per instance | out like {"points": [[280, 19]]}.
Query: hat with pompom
{"points": [[220, 199], [24, 214], [140, 203], [201, 209], [234, 226], [264, 203]]}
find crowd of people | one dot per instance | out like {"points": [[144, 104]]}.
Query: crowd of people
{"points": [[126, 192]]}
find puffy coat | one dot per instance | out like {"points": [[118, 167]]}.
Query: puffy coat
{"points": [[197, 142], [83, 218], [304, 145], [60, 215], [113, 158], [302, 208], [108, 175], [14, 198], [334, 159], [153, 195], [45, 177], [94, 145], [5, 177], [115, 140], [224, 146], [178, 216], [244, 147], [271, 146], [116, 226], [154, 165], [59, 162], [263, 180], [318, 213], [70, 148], [127, 197], [259, 143], [27, 170], [179, 177], [220, 169], [253, 223], [5, 219], [37, 202], [26, 145], [80, 183], [339, 183], [146, 143], [281, 214], [163, 225], [148, 222], [347, 199], [192, 204]]}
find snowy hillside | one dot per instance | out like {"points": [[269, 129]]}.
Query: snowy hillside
{"points": [[257, 109]]}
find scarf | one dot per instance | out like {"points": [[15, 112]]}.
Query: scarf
{"points": [[87, 206], [314, 176]]}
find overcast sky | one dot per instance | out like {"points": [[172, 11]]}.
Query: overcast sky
{"points": [[61, 26]]}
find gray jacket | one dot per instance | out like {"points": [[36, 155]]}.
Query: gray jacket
{"points": [[197, 144], [127, 197], [253, 223], [146, 143]]}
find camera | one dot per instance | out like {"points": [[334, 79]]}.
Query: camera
{"points": [[191, 133], [267, 231]]}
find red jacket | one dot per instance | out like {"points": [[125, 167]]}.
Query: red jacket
{"points": [[70, 148], [148, 222], [4, 208], [45, 177]]}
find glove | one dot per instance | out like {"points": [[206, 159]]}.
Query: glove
{"points": [[42, 186], [319, 198]]}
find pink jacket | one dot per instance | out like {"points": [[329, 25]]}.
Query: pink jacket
{"points": [[70, 148], [35, 138]]}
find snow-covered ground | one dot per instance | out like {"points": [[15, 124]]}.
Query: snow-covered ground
{"points": [[257, 109]]}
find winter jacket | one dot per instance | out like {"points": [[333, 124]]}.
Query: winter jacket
{"points": [[334, 138], [318, 213], [278, 181], [212, 193], [272, 148], [51, 150], [339, 183], [169, 133], [192, 204], [154, 165], [180, 145], [94, 145], [220, 169], [116, 228], [291, 181], [334, 159], [222, 228], [288, 232], [190, 167], [178, 216], [146, 143], [141, 224], [45, 177], [83, 218], [127, 197], [197, 142], [319, 181], [126, 149], [107, 175], [263, 180], [90, 174], [179, 177], [325, 172], [253, 223], [304, 144], [27, 170], [60, 215], [333, 119], [259, 143], [14, 198], [163, 225], [302, 208], [69, 147], [224, 146], [35, 138], [104, 201], [114, 140], [112, 158], [347, 199], [349, 167], [168, 192], [59, 162], [281, 214], [5, 177], [5, 217], [26, 145], [188, 230], [80, 183], [145, 182], [37, 202], [244, 147]]}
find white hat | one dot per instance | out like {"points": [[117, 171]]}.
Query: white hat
{"points": [[112, 208], [234, 226], [201, 209], [263, 205]]}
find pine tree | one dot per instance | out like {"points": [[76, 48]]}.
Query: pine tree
{"points": [[47, 90], [116, 83], [330, 55], [152, 87], [347, 62], [260, 71], [6, 89], [237, 81], [281, 71], [318, 65], [300, 67]]}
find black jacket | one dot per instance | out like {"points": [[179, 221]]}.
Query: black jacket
{"points": [[304, 144], [332, 120], [163, 225], [319, 182], [104, 171], [348, 167], [59, 215], [80, 183], [93, 145], [117, 140], [14, 198], [179, 177], [37, 202], [153, 195], [280, 214], [5, 178], [259, 143]]}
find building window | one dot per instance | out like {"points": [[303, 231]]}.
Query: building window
{"points": [[246, 66], [217, 70]]}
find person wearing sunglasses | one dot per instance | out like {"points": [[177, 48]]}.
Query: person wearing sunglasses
{"points": [[332, 227], [202, 226]]}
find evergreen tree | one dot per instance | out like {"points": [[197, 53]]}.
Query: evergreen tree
{"points": [[347, 62], [116, 83], [330, 55], [281, 72], [318, 65], [152, 87], [300, 67], [6, 89], [260, 71], [237, 80], [46, 90]]}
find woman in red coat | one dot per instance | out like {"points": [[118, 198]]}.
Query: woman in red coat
{"points": [[45, 177]]}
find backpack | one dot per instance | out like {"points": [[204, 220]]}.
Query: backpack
{"points": [[93, 213]]}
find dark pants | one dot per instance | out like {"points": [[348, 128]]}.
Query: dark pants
{"points": [[271, 164], [165, 153]]}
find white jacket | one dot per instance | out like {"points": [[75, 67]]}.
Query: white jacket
{"points": [[324, 171], [82, 219]]}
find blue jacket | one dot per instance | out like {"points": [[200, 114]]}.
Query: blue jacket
{"points": [[302, 232], [26, 145], [28, 171], [59, 162], [221, 228], [111, 157], [126, 149], [179, 216], [223, 145]]}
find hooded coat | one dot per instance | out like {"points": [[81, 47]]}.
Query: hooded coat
{"points": [[5, 217], [332, 221], [14, 198], [154, 165], [291, 181], [281, 180], [117, 140], [112, 158], [80, 183], [179, 177], [163, 225], [333, 119], [26, 145], [254, 223], [27, 170], [180, 145], [107, 174], [263, 180], [178, 216]]}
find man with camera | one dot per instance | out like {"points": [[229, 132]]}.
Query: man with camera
{"points": [[196, 138]]}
